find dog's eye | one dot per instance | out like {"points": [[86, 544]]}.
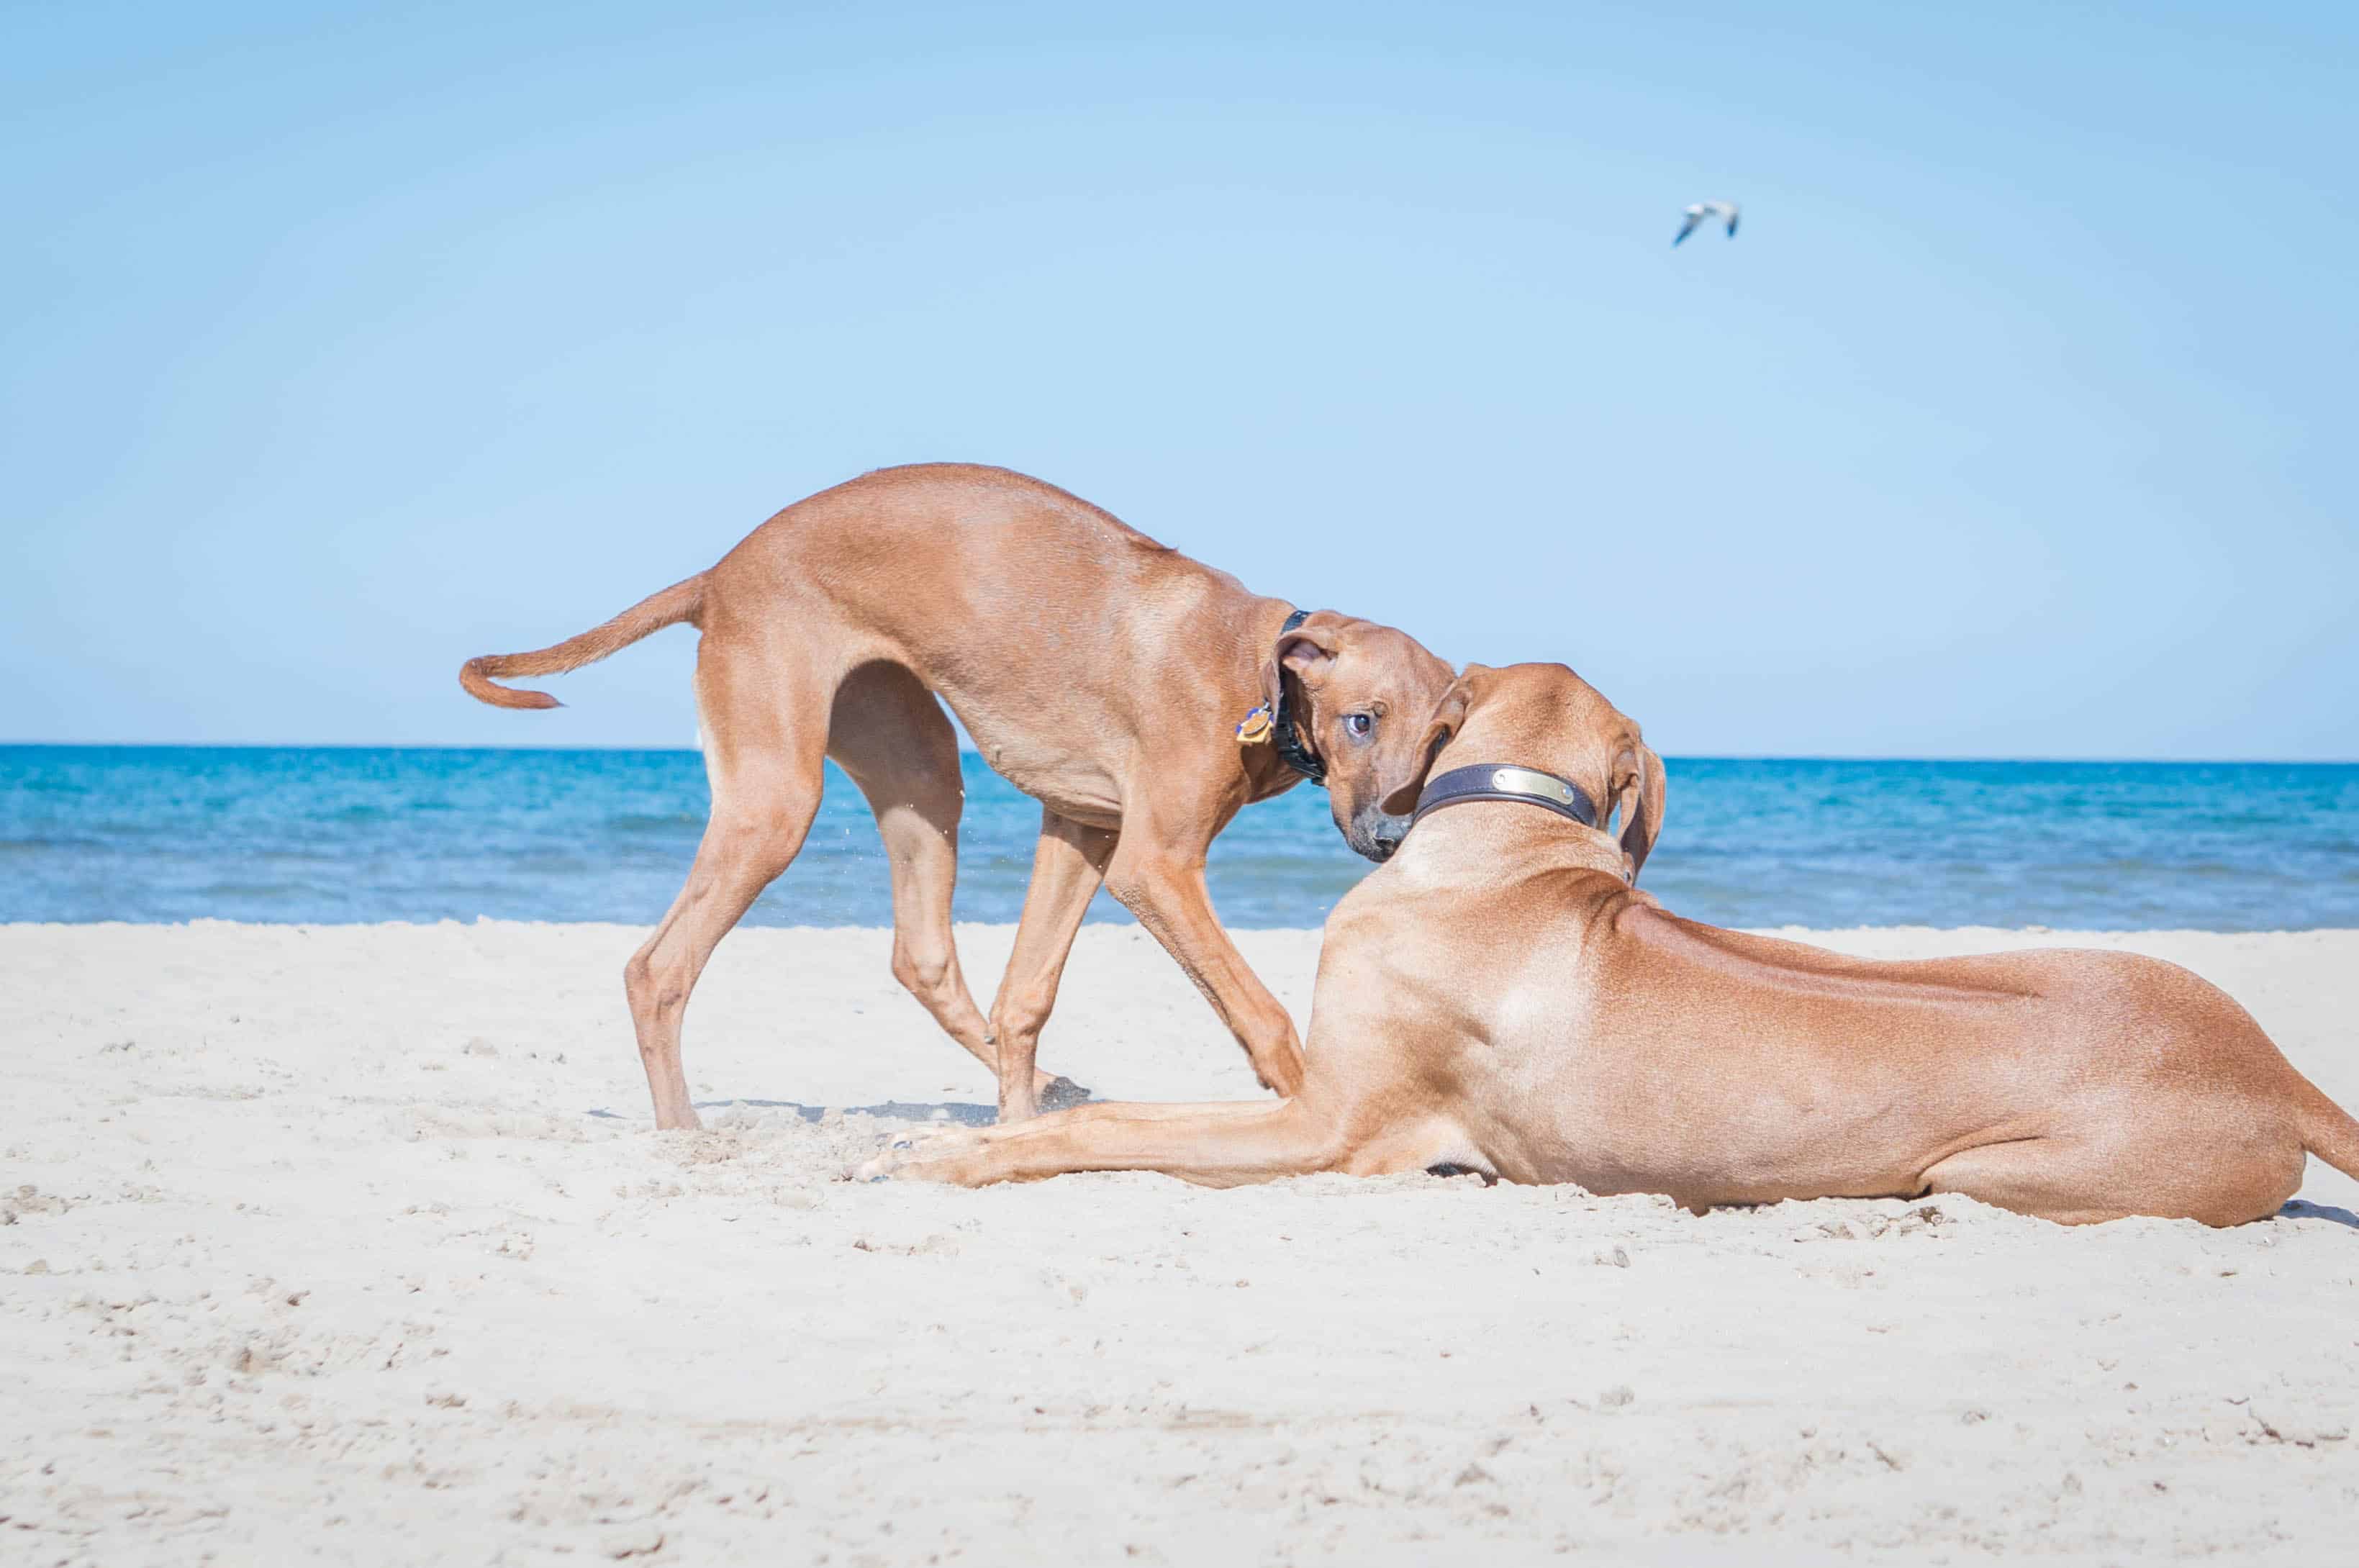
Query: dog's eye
{"points": [[1359, 724]]}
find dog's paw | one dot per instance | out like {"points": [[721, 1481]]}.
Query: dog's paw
{"points": [[920, 1154]]}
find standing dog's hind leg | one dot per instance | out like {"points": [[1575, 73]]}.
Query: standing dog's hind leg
{"points": [[891, 735], [765, 764]]}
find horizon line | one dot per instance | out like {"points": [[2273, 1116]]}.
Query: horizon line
{"points": [[2091, 758]]}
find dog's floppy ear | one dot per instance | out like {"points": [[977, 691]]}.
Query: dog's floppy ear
{"points": [[1448, 716], [1309, 649], [1639, 787]]}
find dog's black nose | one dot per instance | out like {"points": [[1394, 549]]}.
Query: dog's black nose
{"points": [[1386, 843]]}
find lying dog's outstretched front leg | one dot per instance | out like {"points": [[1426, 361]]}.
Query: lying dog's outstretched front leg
{"points": [[1225, 1144]]}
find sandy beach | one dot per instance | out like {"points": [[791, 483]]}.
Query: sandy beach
{"points": [[353, 1243]]}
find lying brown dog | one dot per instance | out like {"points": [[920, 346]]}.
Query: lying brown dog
{"points": [[1099, 672], [1499, 998]]}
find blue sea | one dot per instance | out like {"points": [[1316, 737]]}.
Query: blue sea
{"points": [[314, 835]]}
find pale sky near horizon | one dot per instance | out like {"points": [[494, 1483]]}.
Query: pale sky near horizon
{"points": [[339, 348]]}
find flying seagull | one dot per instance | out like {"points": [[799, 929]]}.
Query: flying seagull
{"points": [[1703, 211]]}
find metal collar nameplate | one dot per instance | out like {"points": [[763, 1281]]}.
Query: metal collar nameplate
{"points": [[1532, 781], [1497, 781]]}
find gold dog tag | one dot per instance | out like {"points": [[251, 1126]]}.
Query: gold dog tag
{"points": [[1254, 728]]}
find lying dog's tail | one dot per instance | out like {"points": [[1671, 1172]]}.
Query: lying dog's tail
{"points": [[2328, 1130], [680, 602]]}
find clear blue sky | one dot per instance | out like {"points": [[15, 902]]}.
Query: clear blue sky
{"points": [[338, 348]]}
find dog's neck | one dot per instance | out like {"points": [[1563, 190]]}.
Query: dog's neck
{"points": [[1500, 843], [1508, 832], [1267, 773]]}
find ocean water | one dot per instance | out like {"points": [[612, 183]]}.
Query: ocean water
{"points": [[330, 834]]}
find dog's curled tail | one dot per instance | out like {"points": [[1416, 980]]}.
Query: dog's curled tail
{"points": [[680, 602], [2328, 1130]]}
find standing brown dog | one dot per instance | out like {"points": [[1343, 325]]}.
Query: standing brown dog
{"points": [[1100, 672], [1499, 998]]}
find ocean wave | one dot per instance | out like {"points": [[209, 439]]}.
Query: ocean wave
{"points": [[666, 822]]}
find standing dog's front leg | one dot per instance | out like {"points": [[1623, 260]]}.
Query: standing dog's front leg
{"points": [[1165, 888], [1067, 866], [1223, 1145]]}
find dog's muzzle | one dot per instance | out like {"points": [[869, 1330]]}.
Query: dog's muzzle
{"points": [[1377, 834]]}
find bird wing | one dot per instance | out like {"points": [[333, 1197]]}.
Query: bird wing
{"points": [[1732, 223], [1694, 217]]}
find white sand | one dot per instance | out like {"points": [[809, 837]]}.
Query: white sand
{"points": [[352, 1244]]}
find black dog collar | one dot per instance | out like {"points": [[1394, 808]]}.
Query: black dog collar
{"points": [[1284, 738], [1501, 781]]}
